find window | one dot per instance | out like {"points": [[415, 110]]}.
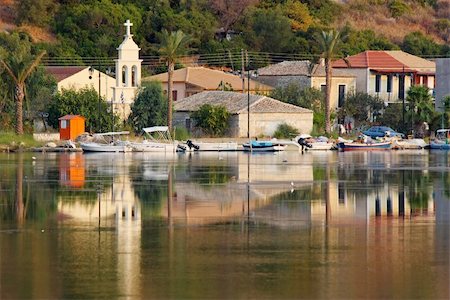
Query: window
{"points": [[341, 96], [174, 95], [425, 80], [63, 124], [389, 84], [323, 88], [377, 83]]}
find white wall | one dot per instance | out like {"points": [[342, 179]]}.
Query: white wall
{"points": [[81, 80]]}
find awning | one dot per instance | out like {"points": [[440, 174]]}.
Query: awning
{"points": [[394, 71]]}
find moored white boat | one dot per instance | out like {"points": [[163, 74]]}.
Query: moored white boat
{"points": [[161, 142], [409, 144], [190, 146], [106, 142]]}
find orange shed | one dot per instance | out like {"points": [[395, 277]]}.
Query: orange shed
{"points": [[71, 126]]}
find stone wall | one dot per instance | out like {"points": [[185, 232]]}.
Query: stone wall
{"points": [[46, 137]]}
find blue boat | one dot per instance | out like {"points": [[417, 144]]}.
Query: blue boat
{"points": [[442, 140], [264, 146]]}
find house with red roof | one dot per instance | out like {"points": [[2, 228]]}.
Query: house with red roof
{"points": [[388, 74], [78, 77]]}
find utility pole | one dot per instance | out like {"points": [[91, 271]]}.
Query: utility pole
{"points": [[243, 71]]}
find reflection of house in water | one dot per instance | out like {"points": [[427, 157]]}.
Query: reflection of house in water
{"points": [[253, 184], [71, 169], [116, 206]]}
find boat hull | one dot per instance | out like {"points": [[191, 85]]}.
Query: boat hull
{"points": [[97, 147], [364, 147], [153, 147], [263, 147], [205, 146], [439, 146]]}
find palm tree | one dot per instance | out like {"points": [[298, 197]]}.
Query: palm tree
{"points": [[173, 45], [329, 43], [19, 71]]}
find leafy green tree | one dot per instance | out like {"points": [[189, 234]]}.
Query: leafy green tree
{"points": [[84, 102], [36, 12], [421, 108], [213, 120], [173, 45], [298, 13], [360, 41], [361, 107], [91, 27], [329, 42], [398, 8], [285, 131], [19, 66], [268, 30], [149, 108], [418, 44], [392, 116]]}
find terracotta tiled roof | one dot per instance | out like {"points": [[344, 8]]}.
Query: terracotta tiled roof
{"points": [[299, 68], [208, 79], [236, 103], [61, 73], [370, 59], [70, 117]]}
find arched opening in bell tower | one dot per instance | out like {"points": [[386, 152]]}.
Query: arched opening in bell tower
{"points": [[125, 76]]}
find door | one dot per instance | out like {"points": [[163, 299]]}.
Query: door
{"points": [[341, 96], [401, 87]]}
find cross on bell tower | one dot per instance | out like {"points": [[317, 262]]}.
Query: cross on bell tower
{"points": [[128, 25]]}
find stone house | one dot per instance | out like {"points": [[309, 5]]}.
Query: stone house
{"points": [[309, 75], [265, 113]]}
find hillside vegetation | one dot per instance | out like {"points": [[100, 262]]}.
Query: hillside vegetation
{"points": [[270, 30]]}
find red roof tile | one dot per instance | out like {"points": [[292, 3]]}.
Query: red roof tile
{"points": [[370, 59], [61, 73], [70, 117]]}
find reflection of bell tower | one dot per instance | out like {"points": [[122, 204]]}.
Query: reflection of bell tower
{"points": [[128, 73]]}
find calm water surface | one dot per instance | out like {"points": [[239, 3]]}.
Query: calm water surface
{"points": [[225, 225]]}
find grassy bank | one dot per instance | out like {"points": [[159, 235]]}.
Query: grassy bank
{"points": [[12, 140]]}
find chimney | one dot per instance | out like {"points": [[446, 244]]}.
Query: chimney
{"points": [[322, 61]]}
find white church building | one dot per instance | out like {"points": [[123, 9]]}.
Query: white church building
{"points": [[120, 91]]}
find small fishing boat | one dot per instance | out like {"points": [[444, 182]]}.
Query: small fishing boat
{"points": [[442, 140], [191, 146], [354, 146], [264, 146], [106, 142], [409, 144], [157, 139]]}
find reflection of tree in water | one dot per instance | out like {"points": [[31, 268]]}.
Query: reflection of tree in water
{"points": [[210, 175], [37, 193], [151, 193]]}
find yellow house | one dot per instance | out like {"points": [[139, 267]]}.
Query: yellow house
{"points": [[192, 80]]}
